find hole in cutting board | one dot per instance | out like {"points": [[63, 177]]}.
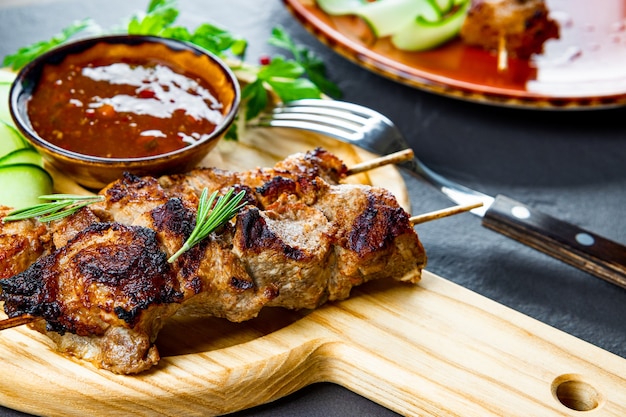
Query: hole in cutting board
{"points": [[573, 392]]}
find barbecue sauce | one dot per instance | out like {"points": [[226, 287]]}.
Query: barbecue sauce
{"points": [[115, 108]]}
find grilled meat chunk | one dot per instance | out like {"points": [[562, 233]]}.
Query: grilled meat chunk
{"points": [[21, 244], [263, 185], [109, 284], [523, 25]]}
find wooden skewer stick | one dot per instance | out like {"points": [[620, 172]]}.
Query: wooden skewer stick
{"points": [[438, 214], [503, 55], [393, 158], [16, 321]]}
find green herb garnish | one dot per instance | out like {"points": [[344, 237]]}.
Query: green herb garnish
{"points": [[302, 76], [26, 54], [57, 207], [209, 219]]}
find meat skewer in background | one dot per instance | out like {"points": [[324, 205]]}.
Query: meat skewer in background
{"points": [[510, 28]]}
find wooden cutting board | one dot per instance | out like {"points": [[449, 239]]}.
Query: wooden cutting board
{"points": [[432, 349]]}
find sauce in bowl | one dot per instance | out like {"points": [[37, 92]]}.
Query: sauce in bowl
{"points": [[116, 108], [99, 107]]}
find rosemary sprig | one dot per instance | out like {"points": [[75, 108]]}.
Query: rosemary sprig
{"points": [[57, 207], [207, 219]]}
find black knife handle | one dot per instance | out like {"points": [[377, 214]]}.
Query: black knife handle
{"points": [[595, 254]]}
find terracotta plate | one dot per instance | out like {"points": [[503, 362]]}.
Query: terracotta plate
{"points": [[584, 69]]}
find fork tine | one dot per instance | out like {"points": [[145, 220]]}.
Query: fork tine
{"points": [[328, 126], [338, 119], [335, 122], [346, 109], [339, 116], [325, 117]]}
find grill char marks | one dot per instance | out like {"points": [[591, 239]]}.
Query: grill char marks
{"points": [[256, 235], [264, 184], [107, 274], [377, 227], [286, 249]]}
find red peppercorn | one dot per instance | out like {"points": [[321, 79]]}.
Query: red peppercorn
{"points": [[146, 94]]}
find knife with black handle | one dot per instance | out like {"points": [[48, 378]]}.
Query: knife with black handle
{"points": [[578, 247], [583, 249]]}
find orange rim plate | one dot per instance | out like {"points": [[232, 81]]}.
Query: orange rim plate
{"points": [[584, 69]]}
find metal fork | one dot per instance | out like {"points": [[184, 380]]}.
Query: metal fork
{"points": [[372, 131]]}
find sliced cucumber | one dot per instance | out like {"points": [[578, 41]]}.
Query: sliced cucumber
{"points": [[340, 7], [6, 79], [22, 184], [444, 5], [421, 34], [6, 76], [22, 156], [414, 25], [10, 139], [5, 114], [385, 17]]}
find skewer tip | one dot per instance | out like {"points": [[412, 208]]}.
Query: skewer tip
{"points": [[438, 214], [393, 158], [16, 321]]}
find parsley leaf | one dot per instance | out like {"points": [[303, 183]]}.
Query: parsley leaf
{"points": [[313, 66], [159, 21], [255, 97], [26, 54]]}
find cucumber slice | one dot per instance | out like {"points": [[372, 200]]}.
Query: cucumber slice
{"points": [[22, 184], [7, 76], [5, 115], [339, 7], [421, 34], [22, 156], [444, 6], [10, 139], [6, 79], [385, 17]]}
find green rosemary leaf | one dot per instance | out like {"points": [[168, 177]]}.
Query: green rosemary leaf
{"points": [[209, 219], [57, 207]]}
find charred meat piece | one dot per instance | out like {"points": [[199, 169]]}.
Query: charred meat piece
{"points": [[263, 184], [105, 290], [522, 26]]}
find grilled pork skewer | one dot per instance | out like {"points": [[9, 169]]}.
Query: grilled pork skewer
{"points": [[106, 287], [510, 28]]}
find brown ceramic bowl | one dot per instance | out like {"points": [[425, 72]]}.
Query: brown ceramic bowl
{"points": [[93, 170]]}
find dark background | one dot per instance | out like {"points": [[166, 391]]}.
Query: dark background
{"points": [[571, 165]]}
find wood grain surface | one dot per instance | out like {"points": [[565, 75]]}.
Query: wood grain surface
{"points": [[432, 349]]}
